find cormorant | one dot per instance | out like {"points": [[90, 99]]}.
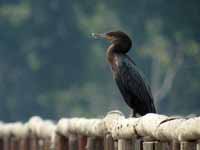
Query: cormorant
{"points": [[135, 91]]}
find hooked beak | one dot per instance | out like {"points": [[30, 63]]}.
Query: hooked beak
{"points": [[101, 35]]}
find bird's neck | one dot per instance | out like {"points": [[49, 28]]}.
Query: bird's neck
{"points": [[112, 57]]}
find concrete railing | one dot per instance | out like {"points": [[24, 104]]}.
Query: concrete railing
{"points": [[114, 131]]}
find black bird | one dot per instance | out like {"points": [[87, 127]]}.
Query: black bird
{"points": [[135, 91]]}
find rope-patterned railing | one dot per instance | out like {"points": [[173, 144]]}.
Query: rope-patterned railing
{"points": [[114, 131]]}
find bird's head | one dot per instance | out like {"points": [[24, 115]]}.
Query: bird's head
{"points": [[121, 41]]}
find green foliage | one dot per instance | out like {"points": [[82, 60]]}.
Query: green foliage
{"points": [[15, 14], [156, 44], [104, 18]]}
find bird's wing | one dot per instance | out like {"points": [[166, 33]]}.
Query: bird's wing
{"points": [[135, 89]]}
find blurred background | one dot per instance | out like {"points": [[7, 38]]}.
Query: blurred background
{"points": [[50, 66]]}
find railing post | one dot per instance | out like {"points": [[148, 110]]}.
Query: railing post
{"points": [[125, 144], [154, 145], [95, 143], [46, 144], [1, 143], [40, 144], [73, 142], [161, 146], [24, 143], [148, 145], [185, 145], [99, 143], [90, 143], [14, 143], [109, 142], [198, 145], [175, 145], [116, 145], [82, 142], [34, 143], [7, 143], [138, 144], [61, 143]]}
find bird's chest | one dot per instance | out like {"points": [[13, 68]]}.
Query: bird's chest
{"points": [[121, 71]]}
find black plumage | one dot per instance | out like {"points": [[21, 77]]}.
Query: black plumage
{"points": [[133, 87], [135, 91]]}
